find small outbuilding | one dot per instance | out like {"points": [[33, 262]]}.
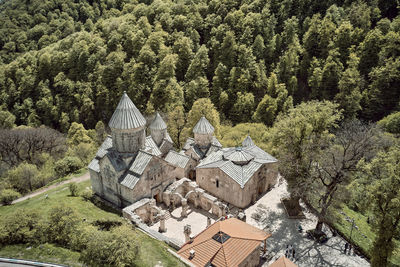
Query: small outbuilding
{"points": [[229, 242]]}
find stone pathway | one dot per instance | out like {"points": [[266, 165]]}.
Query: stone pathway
{"points": [[269, 214], [77, 179]]}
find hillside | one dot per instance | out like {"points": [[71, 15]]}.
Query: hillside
{"points": [[70, 61], [150, 252]]}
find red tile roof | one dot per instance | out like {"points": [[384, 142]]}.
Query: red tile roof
{"points": [[283, 262], [243, 240]]}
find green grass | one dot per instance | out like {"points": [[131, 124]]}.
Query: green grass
{"points": [[150, 250], [363, 228], [44, 253]]}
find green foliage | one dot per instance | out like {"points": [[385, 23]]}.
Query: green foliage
{"points": [[234, 136], [67, 165], [296, 135], [24, 177], [7, 196], [61, 64], [77, 134], [383, 187], [63, 225], [391, 123], [21, 227], [114, 248], [73, 189], [7, 120], [202, 107]]}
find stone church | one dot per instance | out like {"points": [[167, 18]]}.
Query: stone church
{"points": [[130, 166]]}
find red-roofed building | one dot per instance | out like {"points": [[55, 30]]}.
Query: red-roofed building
{"points": [[229, 242]]}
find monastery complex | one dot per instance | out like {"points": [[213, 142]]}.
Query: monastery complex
{"points": [[130, 166]]}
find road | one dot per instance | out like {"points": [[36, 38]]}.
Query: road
{"points": [[77, 179]]}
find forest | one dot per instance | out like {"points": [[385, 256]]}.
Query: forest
{"points": [[315, 83]]}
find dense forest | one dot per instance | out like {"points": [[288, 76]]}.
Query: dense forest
{"points": [[69, 61]]}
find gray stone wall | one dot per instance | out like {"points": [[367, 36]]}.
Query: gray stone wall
{"points": [[228, 190], [203, 140], [158, 135], [128, 140]]}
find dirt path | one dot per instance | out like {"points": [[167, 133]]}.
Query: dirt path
{"points": [[77, 179]]}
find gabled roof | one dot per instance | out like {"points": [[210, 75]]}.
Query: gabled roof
{"points": [[248, 141], [94, 165], [151, 146], [130, 180], [203, 126], [283, 262], [158, 123], [140, 163], [239, 165], [116, 160], [107, 144], [177, 159], [243, 240], [126, 115]]}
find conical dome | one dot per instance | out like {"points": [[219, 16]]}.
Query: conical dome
{"points": [[247, 142], [158, 123], [238, 156], [203, 126], [126, 115]]}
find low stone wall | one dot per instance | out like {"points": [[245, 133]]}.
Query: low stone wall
{"points": [[129, 214]]}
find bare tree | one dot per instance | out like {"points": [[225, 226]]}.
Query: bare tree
{"points": [[25, 144], [338, 161]]}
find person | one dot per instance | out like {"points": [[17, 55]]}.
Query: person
{"points": [[293, 253], [300, 228], [346, 246], [287, 251]]}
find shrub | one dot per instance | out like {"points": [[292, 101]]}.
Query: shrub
{"points": [[87, 194], [115, 248], [73, 189], [391, 123], [7, 196], [63, 225], [21, 227], [67, 165]]}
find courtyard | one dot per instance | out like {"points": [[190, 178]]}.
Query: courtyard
{"points": [[268, 214]]}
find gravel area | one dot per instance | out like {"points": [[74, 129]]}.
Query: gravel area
{"points": [[268, 213]]}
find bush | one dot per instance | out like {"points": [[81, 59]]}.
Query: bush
{"points": [[21, 227], [63, 226], [7, 196], [73, 189], [115, 248], [67, 165], [391, 123], [87, 194]]}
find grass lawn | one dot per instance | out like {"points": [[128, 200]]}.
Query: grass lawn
{"points": [[364, 229], [150, 251]]}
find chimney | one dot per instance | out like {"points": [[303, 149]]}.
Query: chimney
{"points": [[191, 238], [191, 256]]}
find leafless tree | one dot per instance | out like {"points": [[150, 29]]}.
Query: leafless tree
{"points": [[26, 144]]}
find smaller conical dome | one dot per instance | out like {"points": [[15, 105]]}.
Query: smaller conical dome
{"points": [[126, 115], [247, 142], [158, 123], [238, 156], [203, 126]]}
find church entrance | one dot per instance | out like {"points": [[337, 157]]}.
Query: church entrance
{"points": [[157, 197], [192, 175]]}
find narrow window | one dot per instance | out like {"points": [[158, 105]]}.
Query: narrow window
{"points": [[217, 183]]}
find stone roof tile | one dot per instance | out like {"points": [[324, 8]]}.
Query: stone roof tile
{"points": [[126, 115]]}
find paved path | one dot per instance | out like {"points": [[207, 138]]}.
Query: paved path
{"points": [[269, 214], [77, 179], [6, 262]]}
